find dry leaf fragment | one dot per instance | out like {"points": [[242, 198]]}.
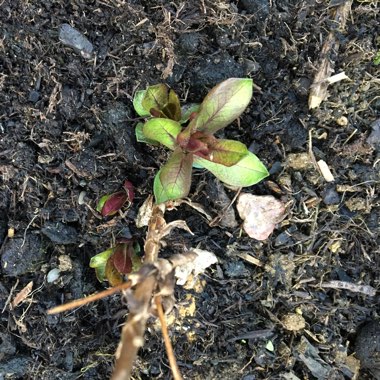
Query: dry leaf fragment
{"points": [[201, 262], [260, 214], [145, 213]]}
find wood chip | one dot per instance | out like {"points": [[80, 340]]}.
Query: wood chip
{"points": [[22, 295], [250, 259], [322, 79], [344, 285]]}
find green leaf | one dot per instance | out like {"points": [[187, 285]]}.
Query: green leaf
{"points": [[99, 262], [225, 152], [248, 171], [223, 104], [187, 110], [101, 202], [174, 179], [164, 131], [140, 137], [156, 97], [137, 104]]}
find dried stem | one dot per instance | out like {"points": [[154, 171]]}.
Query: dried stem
{"points": [[132, 335], [318, 91], [92, 298], [168, 345]]}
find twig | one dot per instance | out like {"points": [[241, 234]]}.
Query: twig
{"points": [[344, 285], [168, 345], [322, 79], [92, 298], [132, 335]]}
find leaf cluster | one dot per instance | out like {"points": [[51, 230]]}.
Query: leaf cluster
{"points": [[189, 133]]}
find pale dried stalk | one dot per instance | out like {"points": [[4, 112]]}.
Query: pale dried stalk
{"points": [[132, 335], [139, 302], [318, 91], [168, 344], [89, 299]]}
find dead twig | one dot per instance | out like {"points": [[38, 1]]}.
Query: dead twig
{"points": [[89, 299], [318, 91], [168, 345], [132, 335]]}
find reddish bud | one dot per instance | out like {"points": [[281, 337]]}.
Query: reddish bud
{"points": [[129, 188], [111, 204], [114, 203], [122, 256], [155, 113]]}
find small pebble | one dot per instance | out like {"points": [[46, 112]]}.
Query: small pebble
{"points": [[76, 40], [330, 196], [299, 161], [34, 96], [342, 121], [53, 275], [293, 322]]}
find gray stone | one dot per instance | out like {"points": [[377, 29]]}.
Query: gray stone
{"points": [[34, 96], [76, 40], [330, 196], [22, 256], [60, 233]]}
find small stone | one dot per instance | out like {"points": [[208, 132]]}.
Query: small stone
{"points": [[293, 322], [330, 196], [60, 233], [76, 40], [34, 96], [299, 161], [22, 255], [65, 263], [53, 275], [356, 204], [342, 121]]}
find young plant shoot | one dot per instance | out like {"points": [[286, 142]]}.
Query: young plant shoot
{"points": [[189, 133]]}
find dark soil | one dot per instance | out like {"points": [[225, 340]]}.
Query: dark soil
{"points": [[66, 133]]}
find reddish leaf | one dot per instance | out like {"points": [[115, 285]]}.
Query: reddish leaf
{"points": [[114, 203], [130, 189], [122, 257]]}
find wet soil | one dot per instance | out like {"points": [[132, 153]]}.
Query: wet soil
{"points": [[67, 138]]}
